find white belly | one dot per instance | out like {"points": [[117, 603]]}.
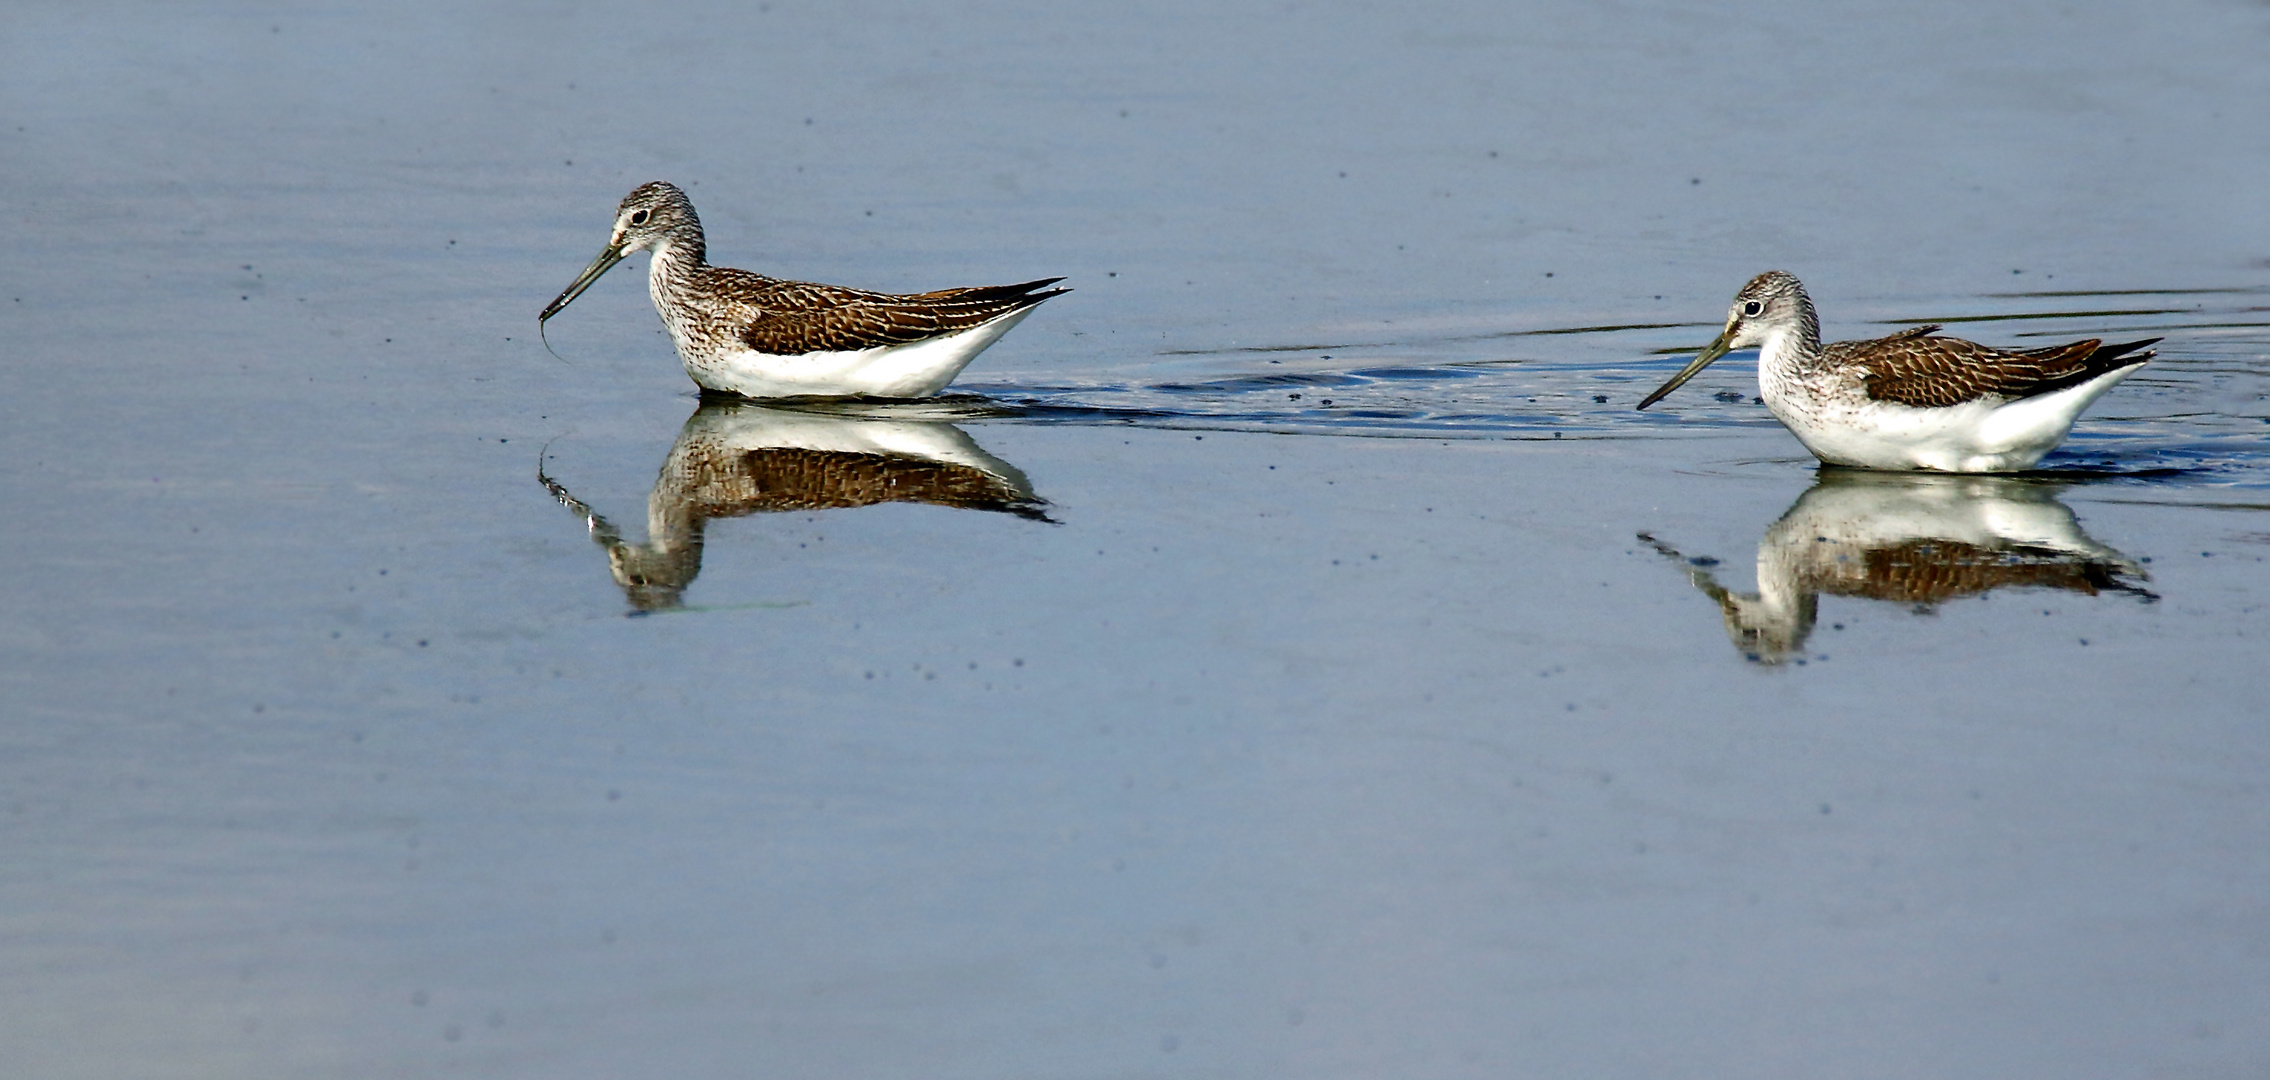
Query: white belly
{"points": [[915, 369], [1985, 436]]}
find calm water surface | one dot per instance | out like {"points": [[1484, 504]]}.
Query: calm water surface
{"points": [[1289, 654]]}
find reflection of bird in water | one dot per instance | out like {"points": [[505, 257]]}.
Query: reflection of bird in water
{"points": [[735, 457], [1912, 400], [744, 333], [1907, 539]]}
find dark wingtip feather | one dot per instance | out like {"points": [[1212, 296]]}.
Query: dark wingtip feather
{"points": [[1021, 291], [2116, 352]]}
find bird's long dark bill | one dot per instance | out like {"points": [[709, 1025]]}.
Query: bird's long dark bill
{"points": [[1717, 349], [606, 260]]}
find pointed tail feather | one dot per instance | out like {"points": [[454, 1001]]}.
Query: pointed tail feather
{"points": [[1024, 293], [2108, 357]]}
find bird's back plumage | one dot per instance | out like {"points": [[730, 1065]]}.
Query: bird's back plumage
{"points": [[1918, 369], [790, 318]]}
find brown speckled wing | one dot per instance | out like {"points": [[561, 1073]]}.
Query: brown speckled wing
{"points": [[1931, 571], [715, 482], [1914, 368], [789, 318]]}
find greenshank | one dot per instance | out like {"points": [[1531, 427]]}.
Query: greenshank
{"points": [[747, 334], [1916, 540], [1913, 400], [735, 458]]}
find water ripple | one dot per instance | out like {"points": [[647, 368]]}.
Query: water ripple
{"points": [[2201, 411]]}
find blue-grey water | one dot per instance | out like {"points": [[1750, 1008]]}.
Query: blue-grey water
{"points": [[1289, 654]]}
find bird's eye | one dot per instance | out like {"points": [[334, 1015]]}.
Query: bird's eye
{"points": [[638, 217], [1752, 307]]}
